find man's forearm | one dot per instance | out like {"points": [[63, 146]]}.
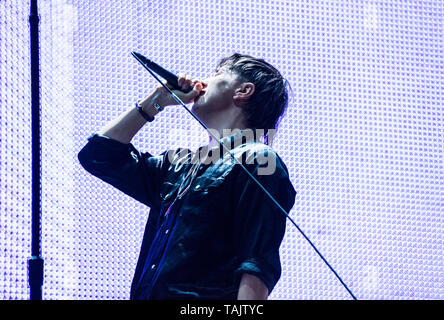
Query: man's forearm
{"points": [[252, 288], [125, 127]]}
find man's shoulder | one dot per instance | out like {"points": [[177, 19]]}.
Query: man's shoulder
{"points": [[254, 148], [261, 156]]}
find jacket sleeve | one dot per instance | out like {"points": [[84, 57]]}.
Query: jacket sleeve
{"points": [[138, 175], [261, 224]]}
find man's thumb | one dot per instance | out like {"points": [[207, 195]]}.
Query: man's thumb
{"points": [[195, 92]]}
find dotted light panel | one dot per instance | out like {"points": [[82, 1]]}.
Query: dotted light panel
{"points": [[15, 151], [362, 138]]}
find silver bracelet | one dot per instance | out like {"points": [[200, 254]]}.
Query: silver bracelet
{"points": [[158, 107]]}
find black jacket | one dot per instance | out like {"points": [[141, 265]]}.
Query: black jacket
{"points": [[222, 227]]}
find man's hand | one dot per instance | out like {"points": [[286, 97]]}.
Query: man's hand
{"points": [[164, 98], [252, 288]]}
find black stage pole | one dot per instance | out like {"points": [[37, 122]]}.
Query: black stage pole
{"points": [[35, 263]]}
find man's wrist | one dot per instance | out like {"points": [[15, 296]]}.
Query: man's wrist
{"points": [[150, 105], [145, 115]]}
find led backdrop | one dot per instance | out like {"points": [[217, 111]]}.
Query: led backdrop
{"points": [[362, 138]]}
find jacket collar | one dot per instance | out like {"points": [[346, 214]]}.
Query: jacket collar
{"points": [[239, 137]]}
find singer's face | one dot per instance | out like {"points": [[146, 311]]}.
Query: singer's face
{"points": [[217, 94]]}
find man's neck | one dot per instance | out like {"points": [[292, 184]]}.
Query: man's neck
{"points": [[231, 137]]}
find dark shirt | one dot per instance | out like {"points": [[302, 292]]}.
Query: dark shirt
{"points": [[198, 246]]}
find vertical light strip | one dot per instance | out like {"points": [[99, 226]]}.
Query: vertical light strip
{"points": [[59, 22], [15, 149]]}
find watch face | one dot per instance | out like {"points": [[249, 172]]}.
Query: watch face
{"points": [[158, 107]]}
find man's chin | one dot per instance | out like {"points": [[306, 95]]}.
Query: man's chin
{"points": [[195, 107], [198, 110]]}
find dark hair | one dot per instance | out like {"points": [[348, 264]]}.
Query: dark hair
{"points": [[269, 101]]}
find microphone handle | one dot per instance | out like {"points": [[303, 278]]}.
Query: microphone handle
{"points": [[167, 75]]}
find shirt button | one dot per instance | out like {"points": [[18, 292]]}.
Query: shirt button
{"points": [[153, 267], [167, 230], [197, 187]]}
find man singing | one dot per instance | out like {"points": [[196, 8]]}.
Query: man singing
{"points": [[212, 233]]}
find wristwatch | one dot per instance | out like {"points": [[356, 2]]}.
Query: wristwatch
{"points": [[158, 107]]}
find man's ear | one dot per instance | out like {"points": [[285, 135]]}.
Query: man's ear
{"points": [[243, 92]]}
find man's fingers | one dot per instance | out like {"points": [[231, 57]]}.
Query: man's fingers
{"points": [[187, 83], [198, 87], [195, 92], [181, 78]]}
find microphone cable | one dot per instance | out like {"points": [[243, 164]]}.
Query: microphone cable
{"points": [[156, 68]]}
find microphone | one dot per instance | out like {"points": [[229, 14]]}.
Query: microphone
{"points": [[167, 75]]}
